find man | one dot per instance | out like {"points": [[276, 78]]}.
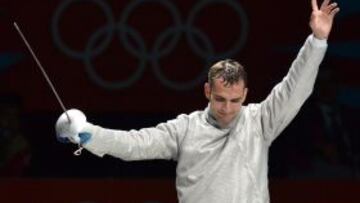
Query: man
{"points": [[222, 152]]}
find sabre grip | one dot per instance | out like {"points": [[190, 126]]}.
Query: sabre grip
{"points": [[72, 130]]}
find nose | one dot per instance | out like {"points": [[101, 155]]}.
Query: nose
{"points": [[226, 108]]}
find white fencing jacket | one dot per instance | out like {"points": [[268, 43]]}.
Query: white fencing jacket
{"points": [[217, 165]]}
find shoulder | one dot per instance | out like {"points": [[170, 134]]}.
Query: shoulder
{"points": [[186, 117], [252, 109], [190, 117]]}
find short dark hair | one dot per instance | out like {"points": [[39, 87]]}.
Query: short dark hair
{"points": [[229, 70]]}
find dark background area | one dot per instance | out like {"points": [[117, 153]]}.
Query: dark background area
{"points": [[134, 64]]}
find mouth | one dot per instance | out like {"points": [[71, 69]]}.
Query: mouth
{"points": [[222, 115]]}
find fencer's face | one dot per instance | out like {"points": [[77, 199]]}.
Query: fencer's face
{"points": [[225, 100]]}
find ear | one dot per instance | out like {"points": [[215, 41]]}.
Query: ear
{"points": [[245, 94], [207, 90]]}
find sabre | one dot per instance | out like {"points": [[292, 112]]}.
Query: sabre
{"points": [[43, 71]]}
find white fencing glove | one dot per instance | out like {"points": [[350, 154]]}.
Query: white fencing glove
{"points": [[72, 131]]}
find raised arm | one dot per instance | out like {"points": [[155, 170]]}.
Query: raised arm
{"points": [[287, 97]]}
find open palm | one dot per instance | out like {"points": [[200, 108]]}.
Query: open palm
{"points": [[322, 18]]}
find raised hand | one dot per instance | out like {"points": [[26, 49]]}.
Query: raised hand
{"points": [[322, 18]]}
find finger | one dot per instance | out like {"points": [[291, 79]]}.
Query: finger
{"points": [[324, 4], [314, 5], [329, 8], [62, 139], [334, 12], [332, 6]]}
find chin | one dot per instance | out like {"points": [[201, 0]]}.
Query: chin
{"points": [[225, 120], [225, 123]]}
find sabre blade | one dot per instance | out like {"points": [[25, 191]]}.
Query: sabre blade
{"points": [[43, 71]]}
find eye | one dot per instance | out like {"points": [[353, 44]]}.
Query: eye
{"points": [[219, 99]]}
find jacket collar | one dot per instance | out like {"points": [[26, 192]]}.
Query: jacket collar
{"points": [[210, 118]]}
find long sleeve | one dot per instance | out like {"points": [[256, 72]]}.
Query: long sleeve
{"points": [[160, 142], [287, 97]]}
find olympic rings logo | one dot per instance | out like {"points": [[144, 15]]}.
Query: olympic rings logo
{"points": [[124, 31]]}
